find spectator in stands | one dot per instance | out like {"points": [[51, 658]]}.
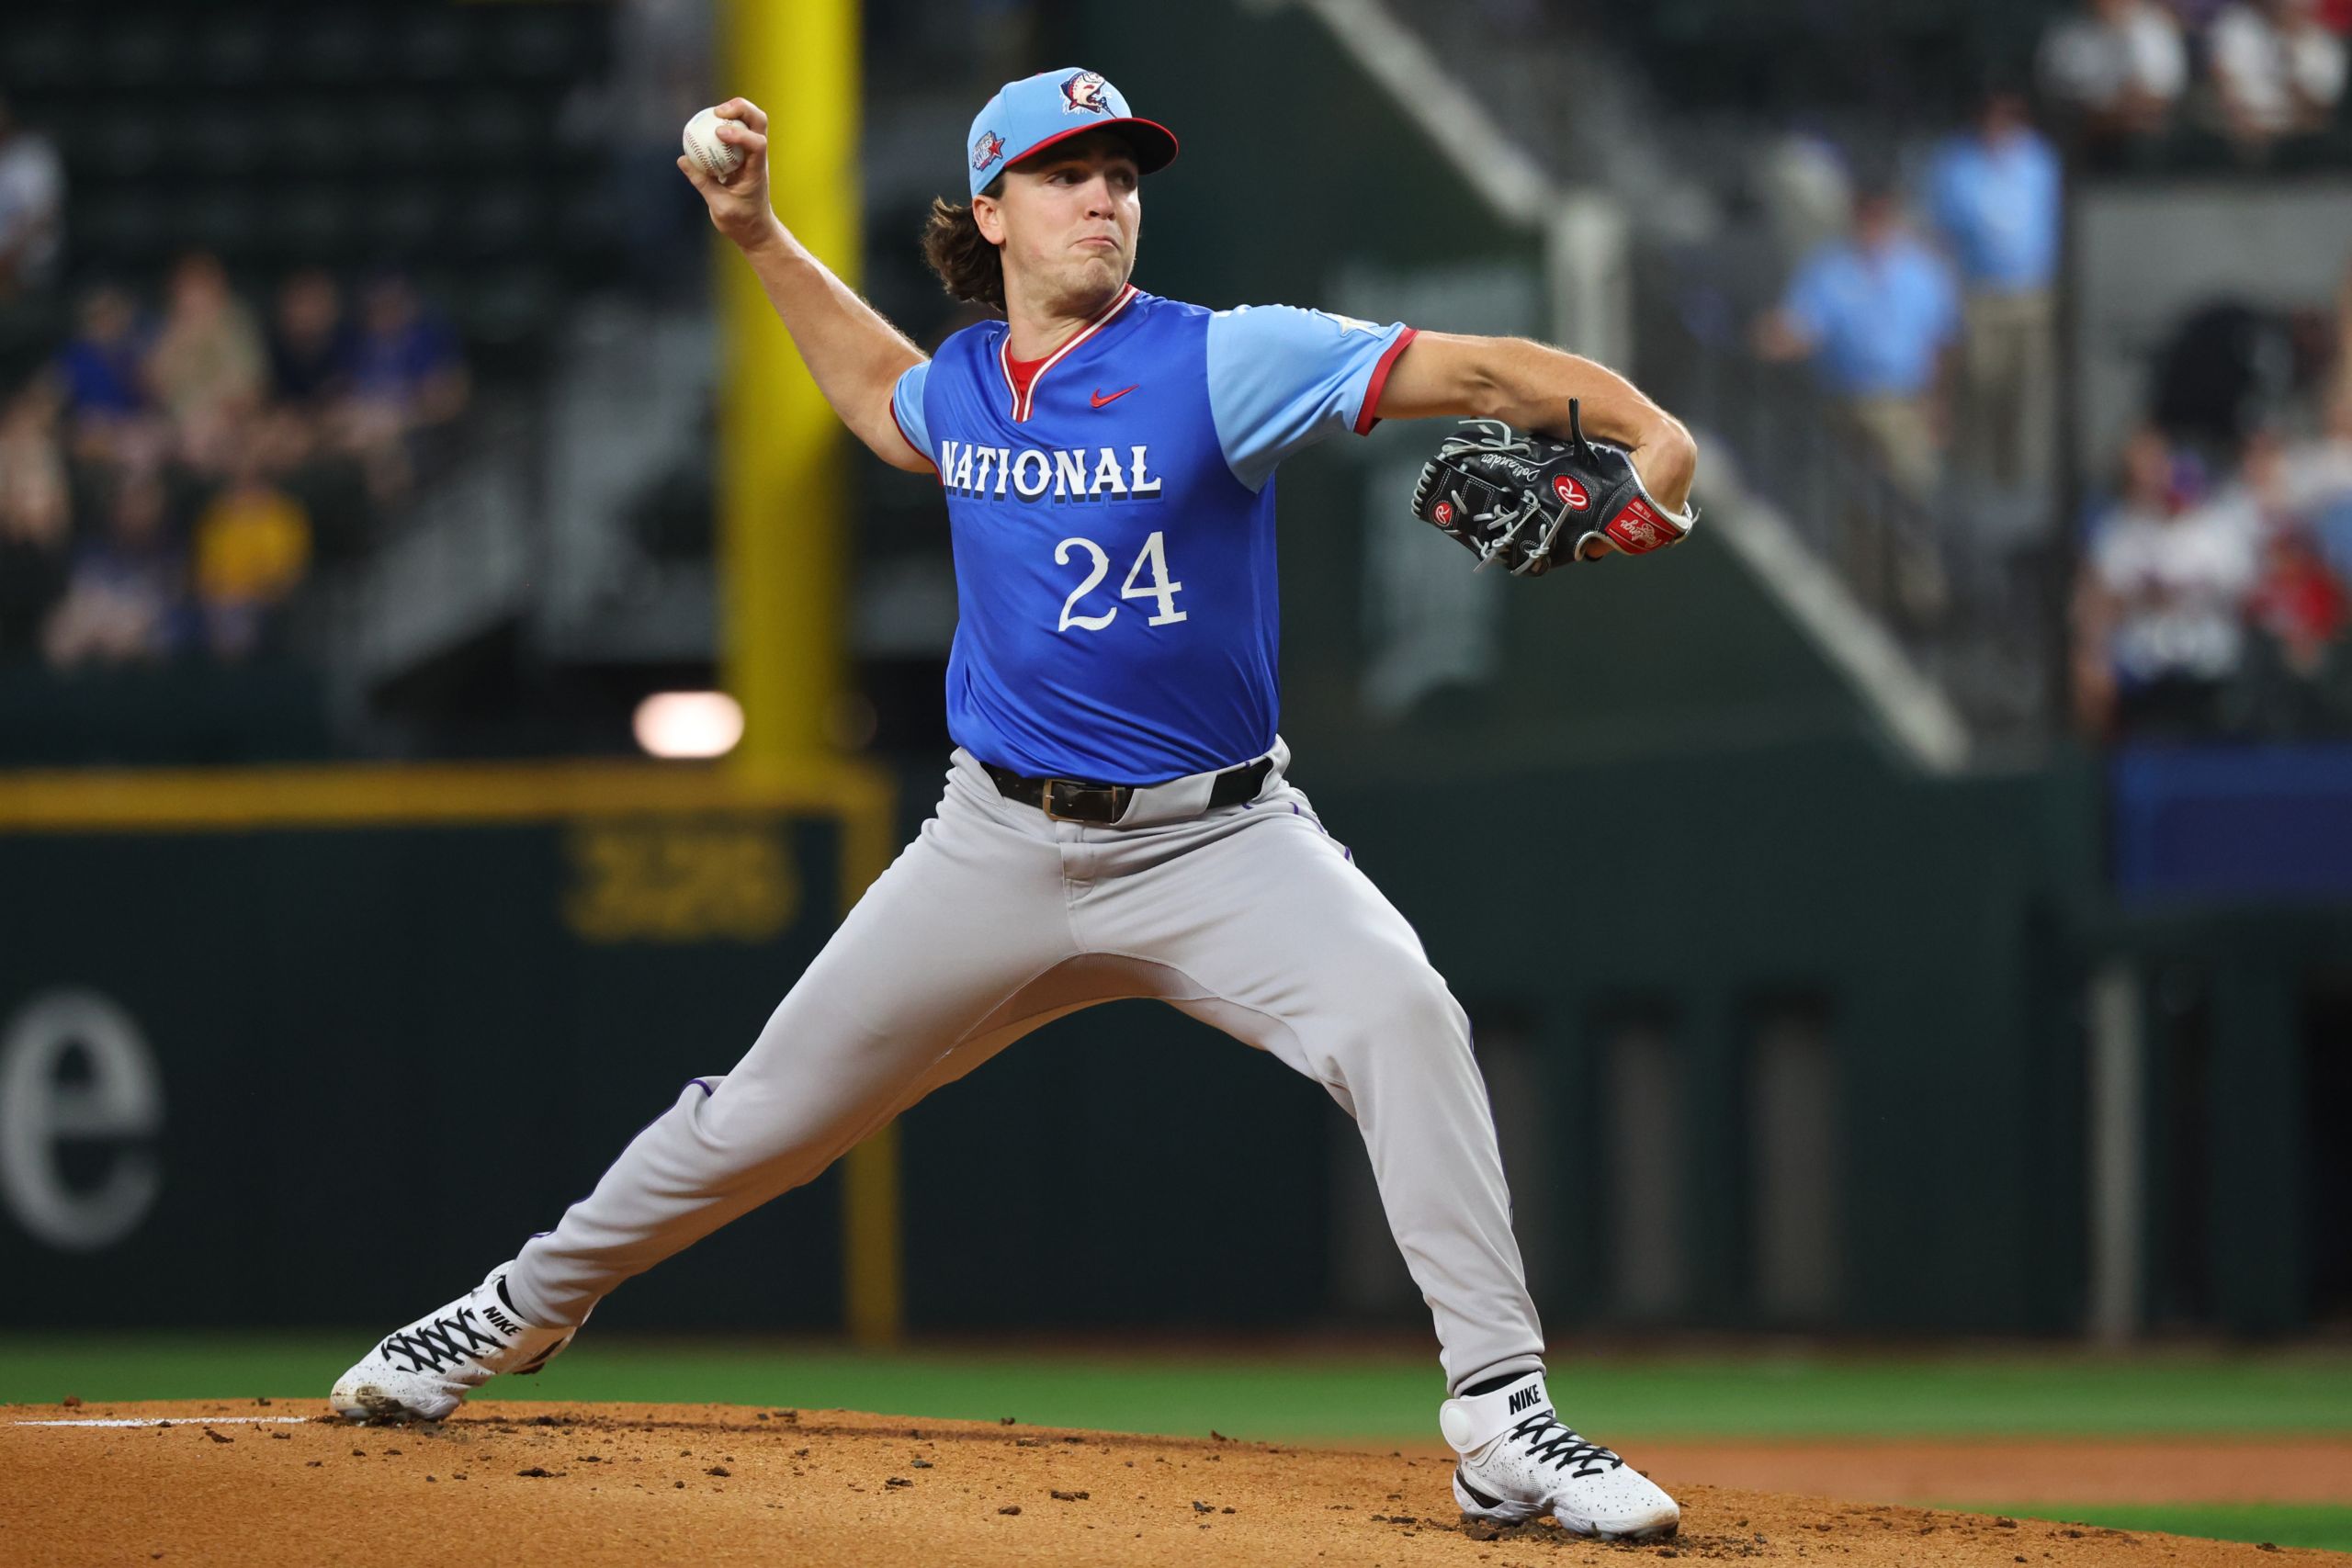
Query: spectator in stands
{"points": [[101, 372], [1875, 314], [208, 368], [2159, 611], [2277, 71], [309, 344], [252, 548], [125, 600], [32, 208], [312, 348], [408, 377], [1996, 197], [1806, 190], [2116, 72], [99, 368], [2299, 601], [2315, 478], [2297, 604], [35, 521]]}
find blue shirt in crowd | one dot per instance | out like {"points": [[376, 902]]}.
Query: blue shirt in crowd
{"points": [[1877, 317], [1999, 208], [102, 378], [396, 363]]}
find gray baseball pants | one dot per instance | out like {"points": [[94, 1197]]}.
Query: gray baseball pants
{"points": [[999, 918]]}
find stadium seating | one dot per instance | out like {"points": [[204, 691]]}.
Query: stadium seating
{"points": [[353, 137]]}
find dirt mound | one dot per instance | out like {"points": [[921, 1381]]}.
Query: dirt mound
{"points": [[527, 1484]]}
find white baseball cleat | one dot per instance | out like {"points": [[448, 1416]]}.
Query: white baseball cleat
{"points": [[425, 1371], [1517, 1461]]}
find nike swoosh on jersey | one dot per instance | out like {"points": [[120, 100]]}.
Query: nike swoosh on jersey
{"points": [[1100, 399]]}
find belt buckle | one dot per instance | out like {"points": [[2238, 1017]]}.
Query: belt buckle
{"points": [[1051, 793], [1051, 796]]}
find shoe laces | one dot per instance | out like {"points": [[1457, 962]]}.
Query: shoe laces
{"points": [[1565, 1447], [1513, 519], [1501, 440], [431, 1345]]}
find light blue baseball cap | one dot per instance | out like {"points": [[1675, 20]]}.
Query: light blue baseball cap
{"points": [[1029, 116]]}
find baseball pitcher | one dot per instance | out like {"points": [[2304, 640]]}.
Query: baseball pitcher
{"points": [[1118, 819]]}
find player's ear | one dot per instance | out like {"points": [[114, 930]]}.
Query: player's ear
{"points": [[988, 215]]}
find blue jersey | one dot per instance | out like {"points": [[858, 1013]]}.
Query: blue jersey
{"points": [[1114, 528]]}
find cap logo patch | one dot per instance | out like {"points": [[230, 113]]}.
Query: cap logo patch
{"points": [[987, 149], [1082, 92]]}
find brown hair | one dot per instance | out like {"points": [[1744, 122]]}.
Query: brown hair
{"points": [[968, 266]]}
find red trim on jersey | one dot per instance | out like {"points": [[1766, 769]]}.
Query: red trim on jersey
{"points": [[1022, 374], [1025, 388], [909, 439], [1369, 414]]}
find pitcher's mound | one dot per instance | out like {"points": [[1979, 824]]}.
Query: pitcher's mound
{"points": [[524, 1485]]}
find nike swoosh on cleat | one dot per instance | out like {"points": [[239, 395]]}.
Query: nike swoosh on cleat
{"points": [[1484, 1501], [1100, 399]]}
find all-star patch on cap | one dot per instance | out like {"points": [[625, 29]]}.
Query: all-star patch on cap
{"points": [[1029, 116]]}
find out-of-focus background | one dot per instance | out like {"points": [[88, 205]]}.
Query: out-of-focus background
{"points": [[452, 675]]}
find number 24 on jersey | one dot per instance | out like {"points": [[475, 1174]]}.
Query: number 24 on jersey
{"points": [[1157, 587]]}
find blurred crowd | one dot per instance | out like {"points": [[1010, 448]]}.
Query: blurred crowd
{"points": [[32, 208], [2150, 83], [173, 474], [1932, 336], [1925, 300], [2213, 598]]}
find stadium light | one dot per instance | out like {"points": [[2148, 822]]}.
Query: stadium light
{"points": [[688, 724]]}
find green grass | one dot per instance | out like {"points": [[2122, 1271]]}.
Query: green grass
{"points": [[1299, 1396], [2327, 1526]]}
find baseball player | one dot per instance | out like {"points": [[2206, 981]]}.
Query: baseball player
{"points": [[1118, 819]]}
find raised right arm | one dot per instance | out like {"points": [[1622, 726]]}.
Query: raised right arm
{"points": [[855, 355]]}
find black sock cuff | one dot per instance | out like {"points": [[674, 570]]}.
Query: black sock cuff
{"points": [[1488, 1385]]}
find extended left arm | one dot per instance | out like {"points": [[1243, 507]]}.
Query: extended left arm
{"points": [[1528, 386]]}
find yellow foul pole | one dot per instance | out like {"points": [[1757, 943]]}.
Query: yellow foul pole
{"points": [[781, 520], [782, 523]]}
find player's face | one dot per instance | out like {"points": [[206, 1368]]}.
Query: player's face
{"points": [[1068, 222]]}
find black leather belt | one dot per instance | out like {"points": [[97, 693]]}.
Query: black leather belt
{"points": [[1076, 800]]}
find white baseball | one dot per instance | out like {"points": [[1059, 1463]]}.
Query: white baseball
{"points": [[709, 155]]}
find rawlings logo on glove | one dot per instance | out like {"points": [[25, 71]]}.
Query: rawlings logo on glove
{"points": [[1533, 503]]}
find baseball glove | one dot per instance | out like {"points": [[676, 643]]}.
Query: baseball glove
{"points": [[1532, 504]]}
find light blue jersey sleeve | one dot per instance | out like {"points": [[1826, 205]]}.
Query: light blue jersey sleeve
{"points": [[1282, 379], [906, 407]]}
